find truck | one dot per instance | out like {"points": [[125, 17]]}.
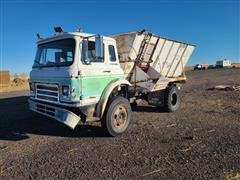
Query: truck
{"points": [[80, 77], [201, 67]]}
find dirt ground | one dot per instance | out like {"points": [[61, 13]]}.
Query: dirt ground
{"points": [[199, 141]]}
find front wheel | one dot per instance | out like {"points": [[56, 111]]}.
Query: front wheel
{"points": [[117, 116], [172, 99]]}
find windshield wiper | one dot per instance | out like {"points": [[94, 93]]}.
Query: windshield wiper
{"points": [[39, 65], [36, 62]]}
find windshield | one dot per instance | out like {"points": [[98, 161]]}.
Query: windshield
{"points": [[57, 53]]}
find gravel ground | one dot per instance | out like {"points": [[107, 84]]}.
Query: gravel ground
{"points": [[199, 141]]}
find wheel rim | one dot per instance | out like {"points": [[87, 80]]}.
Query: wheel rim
{"points": [[174, 99], [120, 117]]}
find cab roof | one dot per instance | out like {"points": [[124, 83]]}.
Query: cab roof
{"points": [[64, 35]]}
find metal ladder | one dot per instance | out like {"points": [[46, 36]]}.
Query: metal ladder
{"points": [[146, 50]]}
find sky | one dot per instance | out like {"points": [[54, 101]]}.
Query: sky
{"points": [[212, 25]]}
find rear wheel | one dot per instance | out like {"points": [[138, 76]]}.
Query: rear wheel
{"points": [[172, 99], [117, 116]]}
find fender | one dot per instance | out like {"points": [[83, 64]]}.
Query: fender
{"points": [[106, 93]]}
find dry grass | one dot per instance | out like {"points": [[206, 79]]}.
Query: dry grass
{"points": [[17, 83], [236, 65], [232, 175]]}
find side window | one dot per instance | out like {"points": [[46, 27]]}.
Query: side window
{"points": [[112, 54], [91, 52]]}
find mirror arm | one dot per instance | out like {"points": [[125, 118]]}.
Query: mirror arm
{"points": [[99, 47]]}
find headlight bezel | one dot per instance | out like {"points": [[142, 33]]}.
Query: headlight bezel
{"points": [[65, 90], [32, 88]]}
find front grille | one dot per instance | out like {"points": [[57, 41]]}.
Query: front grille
{"points": [[45, 109], [47, 92]]}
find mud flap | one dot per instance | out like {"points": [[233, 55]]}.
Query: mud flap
{"points": [[60, 114]]}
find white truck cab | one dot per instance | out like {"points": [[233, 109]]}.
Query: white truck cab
{"points": [[77, 76]]}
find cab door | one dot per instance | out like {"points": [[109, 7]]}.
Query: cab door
{"points": [[114, 65], [95, 76]]}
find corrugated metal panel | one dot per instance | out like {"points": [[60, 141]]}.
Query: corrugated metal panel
{"points": [[124, 45], [156, 63], [135, 47], [177, 61], [156, 55], [172, 51], [186, 55]]}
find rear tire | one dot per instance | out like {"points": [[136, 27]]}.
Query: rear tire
{"points": [[117, 116], [171, 99]]}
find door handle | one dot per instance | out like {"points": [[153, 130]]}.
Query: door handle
{"points": [[107, 71]]}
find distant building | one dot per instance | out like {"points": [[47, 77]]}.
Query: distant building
{"points": [[223, 63]]}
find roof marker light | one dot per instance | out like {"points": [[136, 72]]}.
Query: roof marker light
{"points": [[58, 29]]}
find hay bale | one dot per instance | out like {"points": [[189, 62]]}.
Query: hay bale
{"points": [[235, 65], [188, 68], [4, 78]]}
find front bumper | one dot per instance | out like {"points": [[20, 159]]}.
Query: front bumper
{"points": [[60, 114]]}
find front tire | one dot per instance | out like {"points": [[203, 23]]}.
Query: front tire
{"points": [[117, 116], [172, 99]]}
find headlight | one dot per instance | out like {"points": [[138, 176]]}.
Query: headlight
{"points": [[65, 90]]}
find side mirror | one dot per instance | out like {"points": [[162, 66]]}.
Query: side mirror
{"points": [[85, 58], [99, 47]]}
